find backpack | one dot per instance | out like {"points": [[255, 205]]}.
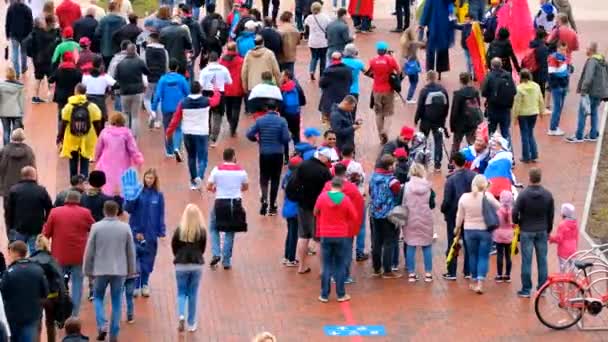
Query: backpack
{"points": [[80, 123], [395, 81], [218, 32], [291, 102], [529, 61], [503, 92], [435, 107], [382, 198], [473, 115], [244, 44], [412, 67]]}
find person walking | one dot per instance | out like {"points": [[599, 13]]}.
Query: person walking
{"points": [[188, 246], [564, 6], [177, 40], [470, 221], [317, 23], [275, 8], [336, 217], [23, 287], [68, 227], [256, 62], [528, 104], [14, 156], [109, 257], [77, 183], [147, 221], [172, 87], [540, 74], [343, 123], [559, 81], [335, 84], [67, 13], [351, 59], [290, 39], [501, 48], [233, 92], [68, 44], [78, 131], [98, 84], [109, 24], [65, 78], [465, 114], [533, 211], [86, 25], [409, 46], [382, 67], [228, 181], [503, 237], [157, 60], [271, 133], [213, 76], [338, 33], [499, 90], [18, 25], [44, 40], [131, 76], [129, 32], [272, 37], [12, 104], [562, 32], [192, 115], [403, 15]]}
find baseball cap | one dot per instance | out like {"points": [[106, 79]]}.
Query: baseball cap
{"points": [[400, 153], [382, 45], [67, 32], [407, 132], [312, 132], [84, 41], [323, 152]]}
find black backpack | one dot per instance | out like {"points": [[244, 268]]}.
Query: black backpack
{"points": [[503, 91], [395, 81], [473, 115], [80, 123], [218, 31]]}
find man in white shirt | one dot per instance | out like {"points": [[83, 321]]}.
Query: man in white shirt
{"points": [[227, 180], [215, 75]]}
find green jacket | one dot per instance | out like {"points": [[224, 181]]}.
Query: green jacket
{"points": [[528, 100], [66, 45]]}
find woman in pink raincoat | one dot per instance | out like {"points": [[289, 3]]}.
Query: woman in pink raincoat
{"points": [[115, 152]]}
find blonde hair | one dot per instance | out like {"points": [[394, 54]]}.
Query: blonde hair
{"points": [[264, 337], [42, 243], [479, 184], [11, 75], [117, 119], [417, 170], [316, 7], [191, 223]]}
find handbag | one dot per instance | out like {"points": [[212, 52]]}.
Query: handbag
{"points": [[490, 218], [400, 213]]}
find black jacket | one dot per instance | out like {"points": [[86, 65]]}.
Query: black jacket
{"points": [[457, 184], [212, 43], [534, 209], [176, 40], [542, 54], [389, 148], [196, 35], [272, 40], [488, 86], [85, 27], [94, 200], [157, 61], [27, 207], [188, 252], [19, 21], [431, 114], [23, 288], [335, 83], [307, 183], [42, 45], [52, 271], [503, 50], [457, 114], [65, 80], [342, 123], [128, 32], [129, 74], [75, 338]]}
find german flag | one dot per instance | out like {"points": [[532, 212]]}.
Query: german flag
{"points": [[477, 49]]}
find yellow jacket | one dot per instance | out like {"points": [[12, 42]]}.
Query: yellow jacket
{"points": [[528, 100], [85, 144]]}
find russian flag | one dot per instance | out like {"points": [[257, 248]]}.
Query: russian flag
{"points": [[498, 173]]}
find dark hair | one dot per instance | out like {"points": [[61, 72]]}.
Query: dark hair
{"points": [[267, 76], [270, 105], [80, 89], [133, 18], [196, 88], [213, 56], [124, 44], [97, 66], [268, 22], [341, 12], [185, 8], [339, 169], [173, 64], [348, 150], [288, 73], [154, 36], [535, 175], [328, 132], [110, 208], [73, 326], [259, 40], [286, 16], [77, 179], [465, 77], [525, 75], [541, 34], [256, 14], [458, 159], [386, 161], [18, 247], [350, 99], [503, 33], [228, 154]]}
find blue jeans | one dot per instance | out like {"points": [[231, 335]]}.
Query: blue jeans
{"points": [[142, 280], [360, 249], [117, 104], [129, 290], [288, 66], [582, 118], [335, 3], [18, 55], [76, 277], [30, 240], [187, 291], [8, 126], [410, 259], [558, 96], [317, 56], [538, 242], [477, 12], [362, 22], [216, 250], [291, 240], [175, 142], [299, 20], [528, 143], [333, 259], [478, 245], [348, 256], [468, 61], [413, 84], [27, 332], [196, 147], [101, 283]]}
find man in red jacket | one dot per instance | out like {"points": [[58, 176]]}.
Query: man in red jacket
{"points": [[233, 93], [336, 218], [67, 13], [68, 228]]}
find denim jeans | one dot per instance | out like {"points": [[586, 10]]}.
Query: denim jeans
{"points": [[291, 239], [477, 12], [538, 242], [437, 144], [101, 283], [30, 241], [558, 95], [413, 84], [582, 118], [384, 240], [142, 280], [76, 277], [175, 142], [216, 250], [450, 220], [8, 126], [187, 292], [360, 249], [427, 253], [148, 95], [362, 22], [317, 56], [117, 103], [348, 256], [196, 147], [25, 332], [333, 260], [468, 61], [287, 66], [479, 243], [129, 290], [18, 55], [76, 160], [529, 150], [299, 20], [131, 105]]}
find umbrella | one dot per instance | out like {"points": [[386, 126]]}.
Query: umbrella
{"points": [[514, 249], [454, 250]]}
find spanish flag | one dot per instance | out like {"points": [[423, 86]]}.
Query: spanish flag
{"points": [[477, 49]]}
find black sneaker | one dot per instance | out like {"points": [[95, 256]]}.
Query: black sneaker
{"points": [[397, 30], [447, 276], [362, 257], [589, 138], [273, 210], [36, 100], [574, 140], [263, 208], [383, 138], [227, 267], [130, 319], [214, 261], [178, 156], [101, 336]]}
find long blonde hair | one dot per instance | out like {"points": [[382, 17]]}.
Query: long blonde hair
{"points": [[42, 243], [479, 184], [191, 224]]}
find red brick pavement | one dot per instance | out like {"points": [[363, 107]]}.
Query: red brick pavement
{"points": [[259, 294]]}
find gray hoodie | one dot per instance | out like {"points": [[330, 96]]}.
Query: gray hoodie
{"points": [[11, 99], [594, 79]]}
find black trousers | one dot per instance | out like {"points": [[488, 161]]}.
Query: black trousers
{"points": [[384, 242], [275, 8], [270, 172], [503, 251], [293, 124], [450, 221], [233, 110], [403, 13]]}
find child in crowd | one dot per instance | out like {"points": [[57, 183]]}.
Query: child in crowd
{"points": [[293, 100], [290, 213], [73, 331], [402, 165], [411, 66], [466, 27], [566, 236], [502, 236]]}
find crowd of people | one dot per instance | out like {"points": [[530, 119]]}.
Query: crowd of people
{"points": [[191, 66]]}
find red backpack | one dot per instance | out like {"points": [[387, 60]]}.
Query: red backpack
{"points": [[529, 61]]}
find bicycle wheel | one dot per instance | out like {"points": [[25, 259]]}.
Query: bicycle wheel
{"points": [[560, 304]]}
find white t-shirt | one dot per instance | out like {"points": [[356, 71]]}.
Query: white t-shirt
{"points": [[317, 29], [98, 85], [228, 179], [214, 71]]}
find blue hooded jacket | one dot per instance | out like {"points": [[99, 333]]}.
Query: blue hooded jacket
{"points": [[170, 90], [305, 150]]}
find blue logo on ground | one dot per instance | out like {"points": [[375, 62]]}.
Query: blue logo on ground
{"points": [[354, 330]]}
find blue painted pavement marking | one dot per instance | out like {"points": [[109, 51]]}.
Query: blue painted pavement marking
{"points": [[354, 330]]}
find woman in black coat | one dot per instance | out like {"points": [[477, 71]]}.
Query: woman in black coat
{"points": [[335, 85], [41, 45], [502, 48], [65, 79], [541, 50]]}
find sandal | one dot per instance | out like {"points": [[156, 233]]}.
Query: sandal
{"points": [[307, 270]]}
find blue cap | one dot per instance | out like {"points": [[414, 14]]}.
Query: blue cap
{"points": [[312, 132], [382, 45]]}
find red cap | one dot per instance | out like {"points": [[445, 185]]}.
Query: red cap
{"points": [[68, 56], [295, 161], [407, 132], [400, 153], [84, 41], [67, 32]]}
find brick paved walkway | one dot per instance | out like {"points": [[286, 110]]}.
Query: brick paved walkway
{"points": [[259, 294]]}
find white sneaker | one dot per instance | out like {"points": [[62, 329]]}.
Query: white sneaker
{"points": [[157, 124], [192, 328], [145, 291], [198, 181], [556, 132], [411, 101], [136, 292]]}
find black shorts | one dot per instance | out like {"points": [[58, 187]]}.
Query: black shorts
{"points": [[306, 224], [42, 70]]}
